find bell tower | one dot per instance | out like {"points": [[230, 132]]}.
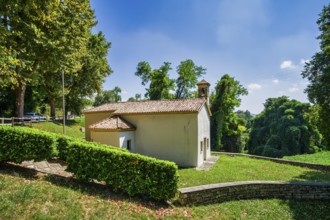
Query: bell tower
{"points": [[203, 90]]}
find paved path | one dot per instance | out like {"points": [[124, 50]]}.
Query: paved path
{"points": [[58, 167], [52, 166], [208, 164]]}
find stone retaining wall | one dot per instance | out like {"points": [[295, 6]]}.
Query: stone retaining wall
{"points": [[215, 193], [277, 160]]}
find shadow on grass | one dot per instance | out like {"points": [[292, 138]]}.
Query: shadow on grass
{"points": [[90, 188], [313, 176], [310, 208]]}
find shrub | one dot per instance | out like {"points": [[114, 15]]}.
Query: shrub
{"points": [[18, 144], [272, 152], [132, 173]]}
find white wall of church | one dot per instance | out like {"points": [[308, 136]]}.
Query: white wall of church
{"points": [[204, 149], [124, 137]]}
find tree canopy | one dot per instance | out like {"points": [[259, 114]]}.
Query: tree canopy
{"points": [[161, 86], [285, 127], [226, 127], [160, 82], [188, 78], [41, 39], [108, 96], [317, 71]]}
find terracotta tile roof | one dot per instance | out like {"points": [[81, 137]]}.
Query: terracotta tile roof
{"points": [[148, 107], [113, 123], [203, 82]]}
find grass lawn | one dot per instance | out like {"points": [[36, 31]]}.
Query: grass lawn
{"points": [[231, 169], [27, 195], [72, 127], [320, 158]]}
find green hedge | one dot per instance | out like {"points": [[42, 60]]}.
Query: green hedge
{"points": [[132, 173], [18, 144]]}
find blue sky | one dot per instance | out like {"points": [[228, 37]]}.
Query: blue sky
{"points": [[262, 43]]}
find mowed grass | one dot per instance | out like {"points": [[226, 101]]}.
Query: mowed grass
{"points": [[72, 127], [28, 195], [236, 168], [319, 158]]}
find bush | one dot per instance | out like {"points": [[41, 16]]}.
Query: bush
{"points": [[132, 173], [18, 144], [258, 150], [272, 152]]}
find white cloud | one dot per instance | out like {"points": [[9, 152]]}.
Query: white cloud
{"points": [[254, 86], [276, 81], [287, 64], [303, 62], [293, 89]]}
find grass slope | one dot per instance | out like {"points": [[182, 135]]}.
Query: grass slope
{"points": [[231, 169], [72, 127], [319, 158], [27, 195]]}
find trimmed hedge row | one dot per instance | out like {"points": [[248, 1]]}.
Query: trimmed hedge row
{"points": [[18, 144], [133, 173]]}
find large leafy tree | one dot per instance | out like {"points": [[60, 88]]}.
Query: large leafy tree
{"points": [[108, 96], [39, 38], [160, 82], [285, 127], [317, 71], [90, 77], [224, 122], [188, 78]]}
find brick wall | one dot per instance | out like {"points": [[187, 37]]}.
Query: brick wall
{"points": [[276, 160], [215, 193]]}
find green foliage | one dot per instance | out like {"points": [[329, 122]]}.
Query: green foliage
{"points": [[226, 127], [285, 127], [317, 71], [19, 144], [108, 96], [133, 173], [160, 83], [188, 78], [41, 39]]}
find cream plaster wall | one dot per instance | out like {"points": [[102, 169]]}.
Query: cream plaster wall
{"points": [[103, 137], [167, 136], [92, 118]]}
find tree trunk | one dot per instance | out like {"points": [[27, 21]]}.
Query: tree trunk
{"points": [[19, 99], [52, 108]]}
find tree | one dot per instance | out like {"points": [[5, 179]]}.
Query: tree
{"points": [[160, 83], [38, 38], [188, 78], [285, 127], [317, 71], [223, 102], [108, 96], [137, 97]]}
